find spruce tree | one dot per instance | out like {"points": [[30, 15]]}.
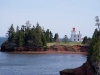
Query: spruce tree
{"points": [[11, 34], [38, 30], [94, 46], [26, 35], [43, 39], [47, 35], [85, 39], [51, 37], [20, 38], [56, 37], [36, 37]]}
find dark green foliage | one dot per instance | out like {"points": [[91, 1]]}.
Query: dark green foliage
{"points": [[56, 37], [26, 35], [48, 36], [38, 35], [20, 38], [89, 40], [94, 51], [34, 37], [43, 39], [86, 40], [11, 34], [51, 37]]}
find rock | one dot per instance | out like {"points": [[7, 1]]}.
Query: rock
{"points": [[82, 70], [8, 46], [67, 72]]}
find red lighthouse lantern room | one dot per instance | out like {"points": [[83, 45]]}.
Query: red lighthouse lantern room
{"points": [[73, 29]]}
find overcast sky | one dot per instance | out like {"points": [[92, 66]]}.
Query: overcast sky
{"points": [[60, 16]]}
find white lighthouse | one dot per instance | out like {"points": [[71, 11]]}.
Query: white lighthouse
{"points": [[75, 37]]}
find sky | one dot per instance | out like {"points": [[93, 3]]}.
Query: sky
{"points": [[59, 16]]}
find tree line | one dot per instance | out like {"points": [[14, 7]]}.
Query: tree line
{"points": [[86, 40], [94, 51], [34, 37]]}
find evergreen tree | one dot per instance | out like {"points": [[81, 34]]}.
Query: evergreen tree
{"points": [[33, 40], [20, 38], [47, 34], [43, 39], [96, 52], [38, 35], [56, 37], [51, 37], [26, 35], [94, 46], [11, 34], [16, 38], [34, 37], [17, 29], [85, 40], [89, 40]]}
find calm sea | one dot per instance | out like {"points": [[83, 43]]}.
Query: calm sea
{"points": [[38, 64], [2, 39]]}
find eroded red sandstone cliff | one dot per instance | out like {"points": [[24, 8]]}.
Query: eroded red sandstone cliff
{"points": [[85, 69]]}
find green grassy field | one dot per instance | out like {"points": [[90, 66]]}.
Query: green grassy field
{"points": [[62, 43]]}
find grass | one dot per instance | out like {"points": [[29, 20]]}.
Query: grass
{"points": [[63, 43]]}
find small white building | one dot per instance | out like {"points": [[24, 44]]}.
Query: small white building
{"points": [[75, 37]]}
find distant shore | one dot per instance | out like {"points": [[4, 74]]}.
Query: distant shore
{"points": [[47, 52], [60, 49]]}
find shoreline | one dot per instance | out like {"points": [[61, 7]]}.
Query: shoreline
{"points": [[47, 52], [81, 70]]}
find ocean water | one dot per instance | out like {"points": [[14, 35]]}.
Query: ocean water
{"points": [[2, 39], [38, 64]]}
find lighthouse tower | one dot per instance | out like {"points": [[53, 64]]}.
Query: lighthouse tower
{"points": [[75, 37]]}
